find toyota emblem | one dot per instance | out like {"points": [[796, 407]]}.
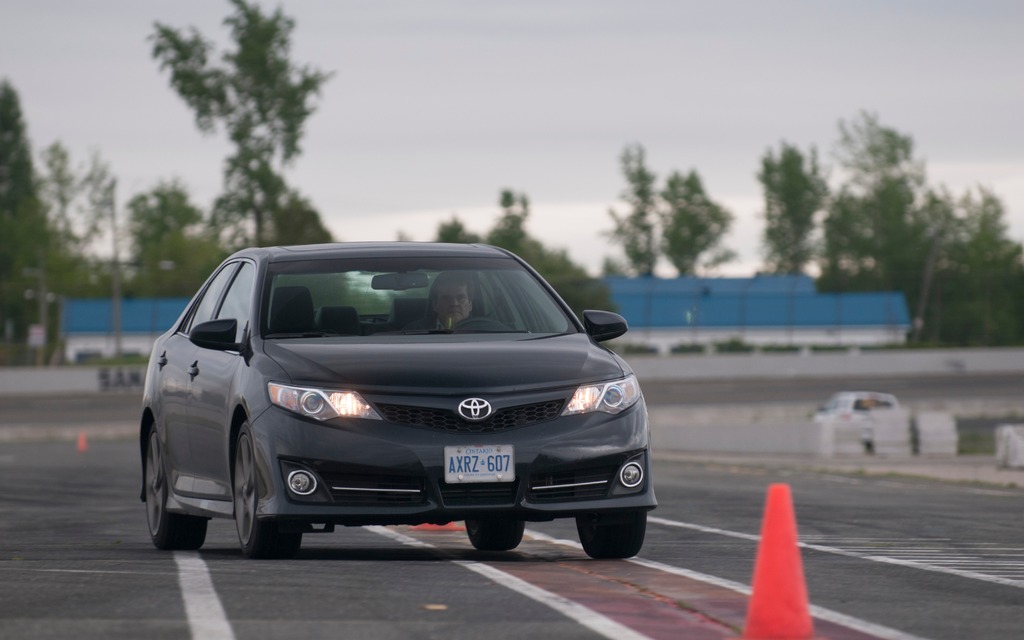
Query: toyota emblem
{"points": [[474, 409]]}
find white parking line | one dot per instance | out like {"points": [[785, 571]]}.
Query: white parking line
{"points": [[589, 618], [820, 613], [206, 617], [913, 563]]}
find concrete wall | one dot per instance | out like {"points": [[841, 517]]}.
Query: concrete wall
{"points": [[670, 434], [56, 380], [764, 428], [678, 367], [775, 429], [811, 364]]}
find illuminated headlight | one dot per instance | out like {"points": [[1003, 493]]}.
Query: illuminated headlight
{"points": [[321, 404], [609, 397]]}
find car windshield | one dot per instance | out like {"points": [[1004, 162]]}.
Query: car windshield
{"points": [[406, 296]]}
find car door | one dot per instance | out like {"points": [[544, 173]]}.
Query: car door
{"points": [[175, 382], [212, 393], [171, 390]]}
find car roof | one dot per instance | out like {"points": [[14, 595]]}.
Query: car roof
{"points": [[369, 250]]}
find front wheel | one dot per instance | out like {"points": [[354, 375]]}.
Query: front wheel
{"points": [[618, 540], [258, 538], [169, 531], [495, 534]]}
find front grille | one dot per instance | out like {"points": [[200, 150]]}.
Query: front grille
{"points": [[582, 484], [445, 420], [485, 494], [372, 490]]}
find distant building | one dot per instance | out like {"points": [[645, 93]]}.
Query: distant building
{"points": [[765, 310], [88, 325], [663, 314]]}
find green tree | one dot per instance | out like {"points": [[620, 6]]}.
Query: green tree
{"points": [[172, 248], [60, 186], [877, 233], [692, 225], [298, 222], [455, 231], [794, 193], [636, 230], [69, 269], [975, 300], [261, 98], [680, 222], [579, 290], [510, 230], [25, 236], [952, 258]]}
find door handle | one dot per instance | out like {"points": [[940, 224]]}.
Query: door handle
{"points": [[193, 370], [162, 360]]}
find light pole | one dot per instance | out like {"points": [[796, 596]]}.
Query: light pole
{"points": [[37, 338]]}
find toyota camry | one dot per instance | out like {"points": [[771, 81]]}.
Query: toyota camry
{"points": [[353, 384]]}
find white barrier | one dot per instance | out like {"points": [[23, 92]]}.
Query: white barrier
{"points": [[936, 434], [891, 433], [840, 438], [791, 438], [781, 429], [1010, 446]]}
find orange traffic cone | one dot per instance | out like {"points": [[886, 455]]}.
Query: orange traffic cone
{"points": [[778, 606], [451, 526], [83, 444]]}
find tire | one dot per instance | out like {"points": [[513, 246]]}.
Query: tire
{"points": [[258, 538], [619, 540], [169, 531], [495, 534]]}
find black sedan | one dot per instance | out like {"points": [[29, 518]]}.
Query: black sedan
{"points": [[390, 383]]}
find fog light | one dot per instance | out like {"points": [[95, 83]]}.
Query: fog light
{"points": [[631, 475], [301, 482]]}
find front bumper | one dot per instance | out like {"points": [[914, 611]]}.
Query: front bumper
{"points": [[375, 472]]}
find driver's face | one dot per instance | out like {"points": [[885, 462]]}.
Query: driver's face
{"points": [[452, 305]]}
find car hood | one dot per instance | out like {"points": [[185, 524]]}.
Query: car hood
{"points": [[477, 363]]}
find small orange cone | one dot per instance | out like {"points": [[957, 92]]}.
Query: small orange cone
{"points": [[778, 606], [451, 526], [83, 443]]}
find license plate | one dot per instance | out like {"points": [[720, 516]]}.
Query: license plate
{"points": [[490, 463]]}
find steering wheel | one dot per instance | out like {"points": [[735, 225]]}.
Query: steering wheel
{"points": [[481, 323]]}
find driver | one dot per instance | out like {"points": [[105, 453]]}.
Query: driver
{"points": [[451, 301]]}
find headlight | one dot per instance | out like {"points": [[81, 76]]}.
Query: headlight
{"points": [[321, 404], [609, 397]]}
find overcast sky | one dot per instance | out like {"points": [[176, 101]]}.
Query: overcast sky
{"points": [[435, 106]]}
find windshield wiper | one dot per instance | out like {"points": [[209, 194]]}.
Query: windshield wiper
{"points": [[431, 332], [301, 334]]}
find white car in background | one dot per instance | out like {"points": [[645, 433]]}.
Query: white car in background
{"points": [[857, 407]]}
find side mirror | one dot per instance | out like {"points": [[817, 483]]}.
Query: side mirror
{"points": [[604, 325], [216, 334]]}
